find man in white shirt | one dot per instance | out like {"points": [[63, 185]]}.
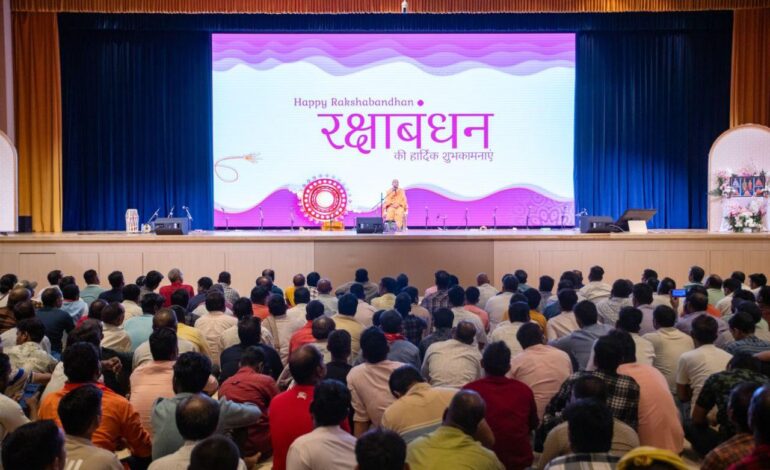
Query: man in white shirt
{"points": [[456, 297], [301, 299], [215, 323], [642, 300], [518, 314], [454, 362], [326, 297], [619, 298], [630, 320], [729, 286], [197, 417], [164, 318], [663, 294], [130, 301], [596, 290], [11, 414], [328, 446], [387, 297], [696, 366], [114, 336], [280, 326], [564, 323], [486, 289], [669, 344], [498, 305]]}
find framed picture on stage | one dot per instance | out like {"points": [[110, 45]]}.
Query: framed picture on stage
{"points": [[748, 185]]}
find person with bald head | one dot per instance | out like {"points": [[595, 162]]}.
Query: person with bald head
{"points": [[289, 411], [321, 328], [396, 206], [452, 445], [454, 362], [326, 297], [164, 318], [486, 289]]}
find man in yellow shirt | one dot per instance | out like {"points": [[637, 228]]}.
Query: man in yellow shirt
{"points": [[396, 205]]}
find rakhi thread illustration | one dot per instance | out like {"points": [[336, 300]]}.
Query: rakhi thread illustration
{"points": [[233, 176]]}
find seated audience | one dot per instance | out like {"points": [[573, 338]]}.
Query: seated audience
{"points": [[11, 414], [57, 322], [339, 349], [696, 366], [163, 319], [304, 335], [249, 334], [225, 279], [204, 285], [518, 315], [443, 319], [414, 326], [472, 295], [452, 445], [115, 337], [215, 452], [115, 293], [387, 294], [543, 368], [380, 449], [297, 282], [151, 282], [742, 368], [71, 302], [662, 295], [176, 278], [622, 391], [92, 289], [215, 323], [364, 311], [301, 297], [643, 299], [327, 446], [580, 343], [326, 297], [38, 445], [695, 306], [586, 387], [321, 329], [510, 407], [596, 290], [80, 413], [259, 297], [21, 311], [28, 353], [743, 328], [630, 321], [130, 302], [590, 426], [456, 296], [361, 278], [741, 444], [533, 300], [251, 385], [419, 408], [497, 305], [120, 423], [15, 296], [368, 382], [668, 343], [486, 289], [289, 413], [729, 287], [139, 328], [659, 424], [619, 297], [281, 327], [399, 349], [192, 373], [190, 333], [759, 421], [345, 320], [714, 291], [454, 362], [438, 298], [565, 322]]}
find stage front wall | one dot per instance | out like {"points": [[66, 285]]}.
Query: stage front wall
{"points": [[336, 256]]}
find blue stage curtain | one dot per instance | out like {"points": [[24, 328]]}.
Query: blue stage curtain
{"points": [[648, 107], [137, 126], [652, 93]]}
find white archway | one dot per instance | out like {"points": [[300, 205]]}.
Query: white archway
{"points": [[9, 192]]}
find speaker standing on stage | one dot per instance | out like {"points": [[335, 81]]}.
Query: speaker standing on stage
{"points": [[396, 205]]}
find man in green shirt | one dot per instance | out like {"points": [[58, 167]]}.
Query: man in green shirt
{"points": [[452, 444]]}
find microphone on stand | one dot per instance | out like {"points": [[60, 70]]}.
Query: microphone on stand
{"points": [[494, 219], [261, 219], [426, 217], [563, 216], [153, 216], [291, 219], [466, 218], [171, 212], [187, 211]]}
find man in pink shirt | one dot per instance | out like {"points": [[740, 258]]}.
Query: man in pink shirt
{"points": [[368, 382], [214, 323], [659, 424], [543, 368], [472, 295]]}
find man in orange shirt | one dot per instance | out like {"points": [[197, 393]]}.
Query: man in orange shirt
{"points": [[304, 335], [396, 205], [120, 422], [259, 297]]}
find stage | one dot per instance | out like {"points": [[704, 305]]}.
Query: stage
{"points": [[418, 253]]}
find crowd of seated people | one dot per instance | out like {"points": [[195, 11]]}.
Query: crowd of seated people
{"points": [[161, 374]]}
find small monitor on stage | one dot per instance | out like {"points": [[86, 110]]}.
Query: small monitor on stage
{"points": [[369, 225], [635, 220]]}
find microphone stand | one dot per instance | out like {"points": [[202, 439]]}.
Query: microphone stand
{"points": [[189, 216], [171, 212], [291, 220], [426, 217], [153, 216], [529, 209], [494, 219], [563, 216], [261, 219], [466, 218]]}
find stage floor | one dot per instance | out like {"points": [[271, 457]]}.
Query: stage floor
{"points": [[417, 252]]}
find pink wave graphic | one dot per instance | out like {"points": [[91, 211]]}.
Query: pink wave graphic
{"points": [[341, 54], [518, 206]]}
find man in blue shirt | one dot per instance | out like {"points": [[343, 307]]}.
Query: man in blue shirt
{"points": [[56, 320]]}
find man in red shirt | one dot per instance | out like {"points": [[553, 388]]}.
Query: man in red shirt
{"points": [[304, 335], [177, 282], [250, 385], [290, 411], [759, 420], [511, 410]]}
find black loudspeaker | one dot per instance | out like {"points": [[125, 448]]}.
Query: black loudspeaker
{"points": [[172, 226], [25, 223], [369, 225], [594, 224]]}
